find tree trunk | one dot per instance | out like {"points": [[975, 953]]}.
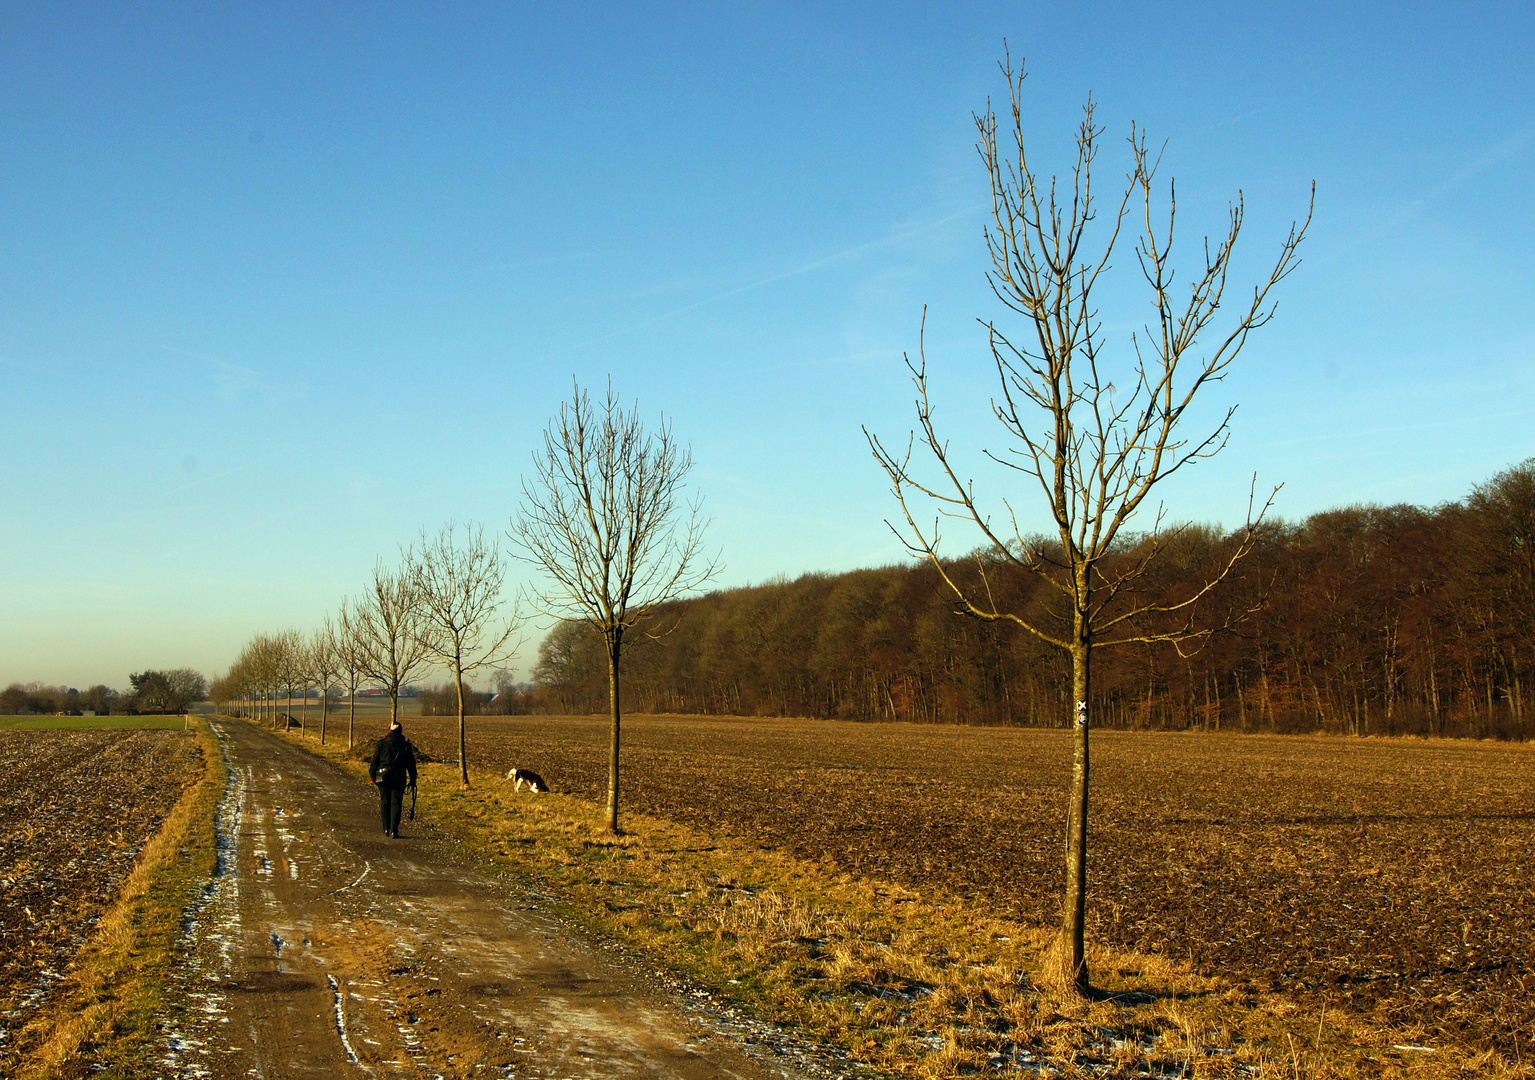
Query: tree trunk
{"points": [[324, 711], [1433, 696], [394, 707], [1074, 911], [463, 758], [615, 645], [351, 718]]}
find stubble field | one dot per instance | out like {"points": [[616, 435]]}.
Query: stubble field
{"points": [[1388, 877], [75, 810]]}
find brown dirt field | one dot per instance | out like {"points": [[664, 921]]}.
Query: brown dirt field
{"points": [[1389, 877], [76, 808]]}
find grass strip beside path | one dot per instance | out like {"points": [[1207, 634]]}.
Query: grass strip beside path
{"points": [[919, 984], [93, 723], [102, 1018]]}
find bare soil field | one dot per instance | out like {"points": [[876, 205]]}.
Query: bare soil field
{"points": [[1389, 877], [75, 810]]}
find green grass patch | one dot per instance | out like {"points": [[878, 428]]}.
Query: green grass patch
{"points": [[925, 984], [92, 723], [102, 1020]]}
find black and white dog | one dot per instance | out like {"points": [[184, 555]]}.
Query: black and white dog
{"points": [[527, 776]]}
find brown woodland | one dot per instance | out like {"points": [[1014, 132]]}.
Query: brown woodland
{"points": [[1366, 620]]}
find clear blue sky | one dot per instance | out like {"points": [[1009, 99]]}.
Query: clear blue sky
{"points": [[279, 285]]}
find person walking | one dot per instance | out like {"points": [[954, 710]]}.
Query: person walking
{"points": [[392, 770]]}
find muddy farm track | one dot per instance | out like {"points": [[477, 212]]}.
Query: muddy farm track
{"points": [[1390, 877], [326, 949], [76, 808]]}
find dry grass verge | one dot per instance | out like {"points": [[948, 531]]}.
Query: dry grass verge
{"points": [[925, 984], [102, 1016]]}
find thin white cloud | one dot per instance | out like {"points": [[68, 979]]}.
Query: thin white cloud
{"points": [[236, 382], [820, 262], [1493, 155]]}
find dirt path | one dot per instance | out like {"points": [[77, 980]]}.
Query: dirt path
{"points": [[326, 949]]}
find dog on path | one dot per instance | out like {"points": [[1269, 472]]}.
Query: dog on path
{"points": [[527, 776]]}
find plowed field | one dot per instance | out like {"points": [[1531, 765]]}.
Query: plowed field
{"points": [[75, 809], [1395, 878]]}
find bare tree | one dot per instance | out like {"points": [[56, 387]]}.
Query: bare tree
{"points": [[388, 633], [292, 666], [167, 691], [1095, 444], [605, 520], [458, 580], [349, 665], [325, 663]]}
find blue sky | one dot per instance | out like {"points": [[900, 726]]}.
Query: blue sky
{"points": [[279, 285]]}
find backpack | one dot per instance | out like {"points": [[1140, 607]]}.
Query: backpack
{"points": [[391, 769]]}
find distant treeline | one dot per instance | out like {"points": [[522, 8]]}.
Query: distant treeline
{"points": [[1364, 620], [509, 699], [153, 691]]}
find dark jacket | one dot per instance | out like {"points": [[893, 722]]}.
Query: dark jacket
{"points": [[394, 761]]}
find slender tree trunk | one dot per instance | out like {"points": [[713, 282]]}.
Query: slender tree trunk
{"points": [[463, 758], [615, 644], [1488, 727], [351, 718], [324, 711], [1433, 696], [304, 727], [394, 707], [1074, 911]]}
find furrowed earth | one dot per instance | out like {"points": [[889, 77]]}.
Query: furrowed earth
{"points": [[1388, 877], [76, 809]]}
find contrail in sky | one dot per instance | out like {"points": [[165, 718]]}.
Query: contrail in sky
{"points": [[1481, 163], [772, 279]]}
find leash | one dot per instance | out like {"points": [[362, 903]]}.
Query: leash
{"points": [[412, 803]]}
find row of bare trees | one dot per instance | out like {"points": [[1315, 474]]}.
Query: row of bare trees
{"points": [[441, 607], [1090, 434], [605, 524]]}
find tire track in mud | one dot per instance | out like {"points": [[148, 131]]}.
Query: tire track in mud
{"points": [[323, 948]]}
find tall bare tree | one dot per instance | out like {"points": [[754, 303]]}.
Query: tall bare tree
{"points": [[325, 664], [458, 578], [387, 631], [605, 519], [1092, 437]]}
